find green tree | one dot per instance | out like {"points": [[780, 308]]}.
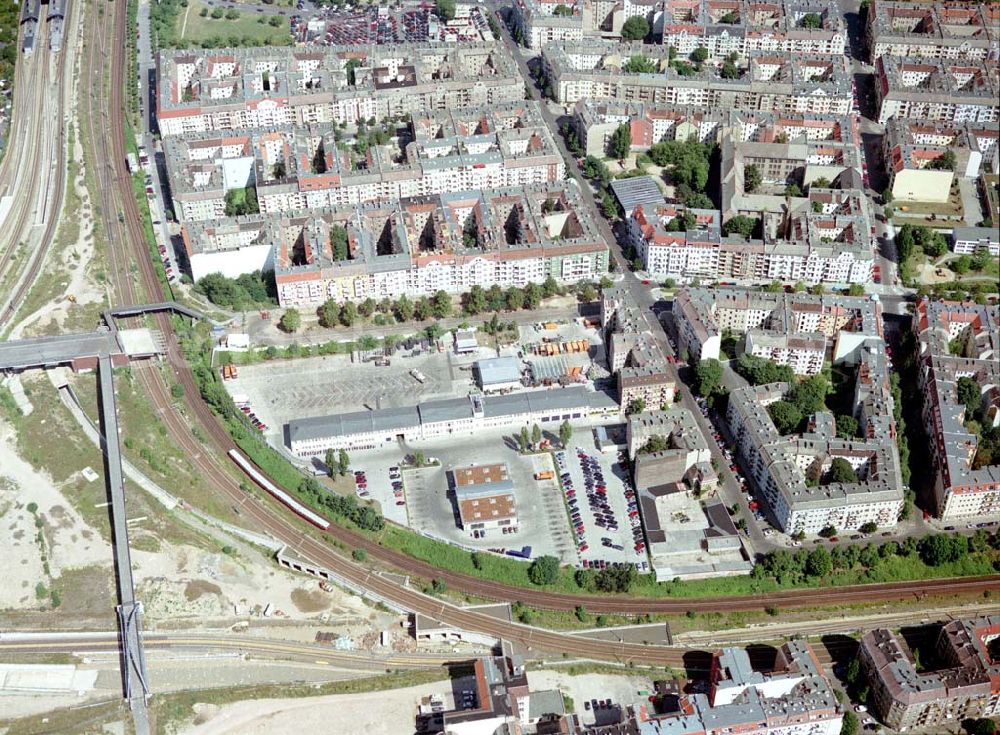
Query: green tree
{"points": [[828, 531], [536, 436], [740, 225], [475, 300], [177, 390], [811, 20], [445, 9], [565, 433], [850, 724], [636, 405], [422, 309], [847, 426], [945, 162], [855, 289], [786, 416], [404, 308], [869, 527], [708, 373], [523, 440], [338, 243], [699, 55], [982, 726], [729, 70], [514, 298], [562, 10], [969, 394], [639, 65], [635, 28], [532, 296], [620, 142], [367, 307], [343, 462], [330, 460], [752, 177], [291, 320], [544, 570], [810, 395], [961, 265], [329, 313], [841, 471], [441, 304], [609, 207], [588, 293], [819, 563], [348, 313], [359, 555]]}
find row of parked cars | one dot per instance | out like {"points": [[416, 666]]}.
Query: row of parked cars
{"points": [[571, 500], [259, 425]]}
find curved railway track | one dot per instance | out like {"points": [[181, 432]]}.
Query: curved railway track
{"points": [[209, 458]]}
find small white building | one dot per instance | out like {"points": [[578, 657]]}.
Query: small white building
{"points": [[465, 341], [970, 240]]}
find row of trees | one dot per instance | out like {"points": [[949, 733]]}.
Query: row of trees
{"points": [[804, 565], [331, 313]]}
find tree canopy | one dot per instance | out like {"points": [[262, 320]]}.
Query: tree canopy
{"points": [[544, 570], [635, 28]]}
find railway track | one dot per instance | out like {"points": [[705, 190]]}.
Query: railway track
{"points": [[129, 248], [35, 155]]}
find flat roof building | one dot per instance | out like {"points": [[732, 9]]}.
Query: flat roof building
{"points": [[498, 374], [361, 430], [636, 191], [485, 497]]}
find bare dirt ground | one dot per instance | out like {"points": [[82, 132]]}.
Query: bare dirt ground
{"points": [[54, 530], [388, 712], [46, 541]]}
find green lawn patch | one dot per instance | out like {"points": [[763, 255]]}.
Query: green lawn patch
{"points": [[210, 32]]}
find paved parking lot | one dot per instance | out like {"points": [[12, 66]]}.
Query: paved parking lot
{"points": [[542, 522], [283, 390], [590, 504]]}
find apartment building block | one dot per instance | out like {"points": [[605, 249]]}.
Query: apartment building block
{"points": [[650, 383], [452, 242], [826, 242], [952, 31], [930, 90], [595, 120], [236, 89], [543, 21], [795, 698], [915, 156], [784, 327], [907, 699], [743, 27], [305, 168], [773, 81], [788, 471], [959, 340]]}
